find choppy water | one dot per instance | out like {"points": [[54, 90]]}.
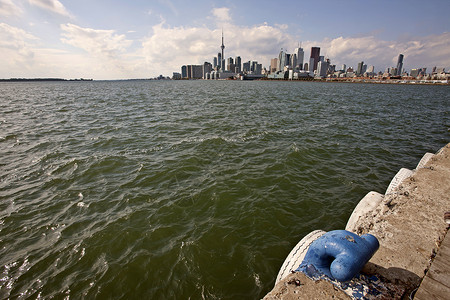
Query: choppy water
{"points": [[190, 189]]}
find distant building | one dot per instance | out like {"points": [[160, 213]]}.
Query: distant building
{"points": [[322, 68], [219, 61], [176, 75], [359, 69], [393, 71], [344, 67], [183, 72], [194, 71], [238, 64], [314, 58], [273, 65], [214, 62], [399, 65], [300, 57], [281, 60], [246, 67], [207, 68]]}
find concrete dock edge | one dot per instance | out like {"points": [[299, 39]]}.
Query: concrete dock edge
{"points": [[409, 224]]}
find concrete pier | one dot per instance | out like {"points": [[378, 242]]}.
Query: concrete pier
{"points": [[409, 224]]}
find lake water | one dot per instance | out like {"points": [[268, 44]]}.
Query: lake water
{"points": [[191, 189]]}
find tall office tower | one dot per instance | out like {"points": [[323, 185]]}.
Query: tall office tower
{"points": [[238, 64], [360, 68], [281, 61], [371, 70], [207, 68], [364, 69], [311, 64], [184, 72], [344, 67], [258, 69], [314, 58], [230, 64], [246, 66], [219, 60], [300, 56], [253, 66], [322, 68], [223, 57], [293, 62], [399, 64], [273, 65], [215, 62], [288, 60], [306, 67]]}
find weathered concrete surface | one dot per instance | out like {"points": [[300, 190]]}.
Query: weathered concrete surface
{"points": [[298, 286], [409, 224]]}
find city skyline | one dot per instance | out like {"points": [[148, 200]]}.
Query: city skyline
{"points": [[120, 40]]}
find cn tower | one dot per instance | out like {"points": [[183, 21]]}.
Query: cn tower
{"points": [[222, 47]]}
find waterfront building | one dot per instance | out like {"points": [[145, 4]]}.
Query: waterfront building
{"points": [[238, 64], [288, 60], [184, 72], [194, 71], [230, 64], [399, 65], [300, 56], [246, 67], [344, 67], [306, 67], [322, 68], [359, 69], [273, 65], [393, 71], [281, 60], [176, 75], [219, 61], [207, 68], [293, 61], [215, 62], [258, 69], [311, 64], [314, 58]]}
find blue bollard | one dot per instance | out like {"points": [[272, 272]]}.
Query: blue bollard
{"points": [[340, 254]]}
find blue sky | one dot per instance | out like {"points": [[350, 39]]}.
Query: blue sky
{"points": [[119, 39]]}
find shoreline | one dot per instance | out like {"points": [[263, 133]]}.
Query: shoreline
{"points": [[409, 224]]}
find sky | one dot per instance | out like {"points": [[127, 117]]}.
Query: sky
{"points": [[124, 39]]}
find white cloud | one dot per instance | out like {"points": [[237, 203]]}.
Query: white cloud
{"points": [[8, 8], [98, 42], [222, 14], [168, 48], [17, 45], [419, 51], [51, 5]]}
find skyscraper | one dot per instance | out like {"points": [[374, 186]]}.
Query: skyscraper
{"points": [[219, 60], [281, 61], [238, 64], [359, 70], [314, 58], [399, 65], [273, 65], [300, 56]]}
